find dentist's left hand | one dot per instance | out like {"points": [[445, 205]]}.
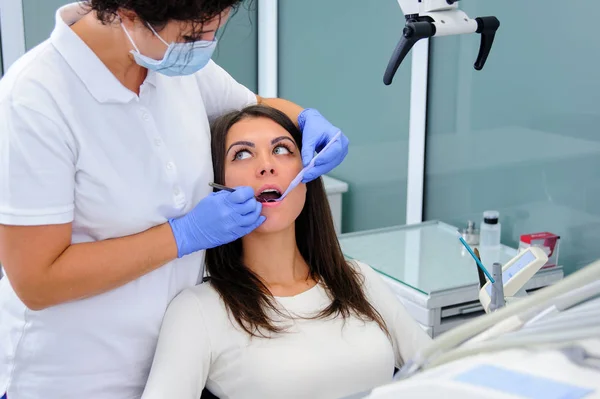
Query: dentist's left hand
{"points": [[316, 133], [218, 219]]}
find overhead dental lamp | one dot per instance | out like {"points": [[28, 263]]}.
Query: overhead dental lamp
{"points": [[430, 18]]}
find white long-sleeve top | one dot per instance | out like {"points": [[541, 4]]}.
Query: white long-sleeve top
{"points": [[200, 345]]}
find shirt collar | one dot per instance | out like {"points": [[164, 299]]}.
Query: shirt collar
{"points": [[97, 78]]}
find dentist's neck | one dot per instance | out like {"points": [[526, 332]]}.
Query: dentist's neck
{"points": [[111, 46], [275, 258]]}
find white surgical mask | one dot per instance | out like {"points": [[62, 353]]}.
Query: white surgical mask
{"points": [[180, 58]]}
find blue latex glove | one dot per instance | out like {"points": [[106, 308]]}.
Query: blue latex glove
{"points": [[218, 219], [316, 133]]}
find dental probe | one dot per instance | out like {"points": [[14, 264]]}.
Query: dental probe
{"points": [[231, 190]]}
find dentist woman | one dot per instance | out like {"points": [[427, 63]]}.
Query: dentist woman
{"points": [[105, 207]]}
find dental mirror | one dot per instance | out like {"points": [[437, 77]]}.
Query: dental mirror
{"points": [[298, 179]]}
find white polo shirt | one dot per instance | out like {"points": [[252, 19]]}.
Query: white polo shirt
{"points": [[77, 146]]}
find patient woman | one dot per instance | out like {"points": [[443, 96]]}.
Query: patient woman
{"points": [[283, 314]]}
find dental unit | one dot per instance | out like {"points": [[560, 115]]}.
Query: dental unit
{"points": [[434, 18]]}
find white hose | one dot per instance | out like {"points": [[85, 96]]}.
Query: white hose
{"points": [[562, 323], [564, 338]]}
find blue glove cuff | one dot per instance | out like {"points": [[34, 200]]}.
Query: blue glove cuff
{"points": [[179, 238], [302, 116]]}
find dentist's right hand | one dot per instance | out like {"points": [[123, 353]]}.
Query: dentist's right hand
{"points": [[218, 219]]}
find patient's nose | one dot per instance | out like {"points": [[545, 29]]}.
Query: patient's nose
{"points": [[267, 171], [266, 168], [266, 165]]}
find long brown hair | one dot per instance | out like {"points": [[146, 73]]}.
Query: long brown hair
{"points": [[246, 297]]}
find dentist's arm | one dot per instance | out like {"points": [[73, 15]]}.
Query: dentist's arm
{"points": [[37, 207], [182, 359], [287, 107], [46, 269]]}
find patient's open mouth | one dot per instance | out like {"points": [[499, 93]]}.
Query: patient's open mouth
{"points": [[269, 195]]}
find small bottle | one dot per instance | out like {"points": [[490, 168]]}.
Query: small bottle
{"points": [[489, 237], [471, 233]]}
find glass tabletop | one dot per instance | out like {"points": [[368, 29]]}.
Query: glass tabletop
{"points": [[428, 256]]}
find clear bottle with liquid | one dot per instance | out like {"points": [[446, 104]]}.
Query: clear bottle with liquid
{"points": [[471, 234], [489, 237]]}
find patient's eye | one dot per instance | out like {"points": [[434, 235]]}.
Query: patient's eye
{"points": [[282, 150], [241, 154]]}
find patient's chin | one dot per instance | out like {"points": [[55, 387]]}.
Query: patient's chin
{"points": [[274, 224]]}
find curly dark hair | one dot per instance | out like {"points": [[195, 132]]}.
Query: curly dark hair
{"points": [[159, 12]]}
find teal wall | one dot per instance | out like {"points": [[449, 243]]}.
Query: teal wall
{"points": [[39, 18], [332, 55], [523, 135], [236, 52]]}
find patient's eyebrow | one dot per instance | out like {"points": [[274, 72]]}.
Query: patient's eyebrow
{"points": [[281, 138], [246, 143]]}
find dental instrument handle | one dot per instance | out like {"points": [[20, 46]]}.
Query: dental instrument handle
{"points": [[476, 259], [497, 288], [221, 187], [294, 183], [225, 188], [311, 164], [480, 274]]}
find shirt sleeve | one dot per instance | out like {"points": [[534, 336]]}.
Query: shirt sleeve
{"points": [[408, 337], [221, 92], [182, 358], [37, 168]]}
